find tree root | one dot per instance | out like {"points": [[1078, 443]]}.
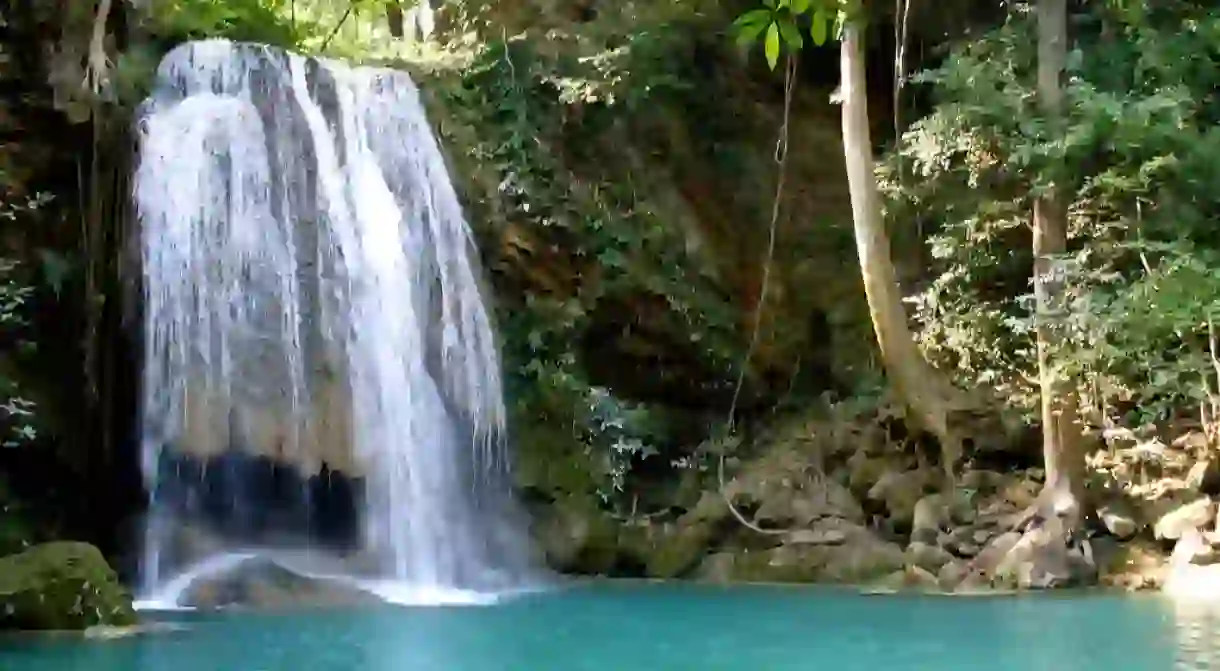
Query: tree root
{"points": [[98, 65]]}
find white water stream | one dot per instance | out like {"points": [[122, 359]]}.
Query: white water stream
{"points": [[311, 298]]}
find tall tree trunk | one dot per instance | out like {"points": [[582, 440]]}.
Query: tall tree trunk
{"points": [[1062, 441], [925, 393]]}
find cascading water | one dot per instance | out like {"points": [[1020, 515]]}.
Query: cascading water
{"points": [[310, 300]]}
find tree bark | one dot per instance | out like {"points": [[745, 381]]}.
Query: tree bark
{"points": [[1062, 441], [394, 15], [927, 396]]}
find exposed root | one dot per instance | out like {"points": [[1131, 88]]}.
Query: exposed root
{"points": [[98, 65]]}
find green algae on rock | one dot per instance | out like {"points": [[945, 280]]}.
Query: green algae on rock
{"points": [[61, 586]]}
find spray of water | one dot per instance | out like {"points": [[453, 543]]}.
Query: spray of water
{"points": [[310, 297]]}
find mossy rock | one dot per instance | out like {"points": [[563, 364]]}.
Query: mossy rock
{"points": [[61, 586], [680, 550], [577, 538]]}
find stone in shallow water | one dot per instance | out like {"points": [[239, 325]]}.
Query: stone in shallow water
{"points": [[262, 583], [113, 633]]}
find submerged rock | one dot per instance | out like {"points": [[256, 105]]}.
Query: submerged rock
{"points": [[265, 584], [103, 632], [61, 586]]}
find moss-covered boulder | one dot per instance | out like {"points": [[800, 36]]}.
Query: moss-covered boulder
{"points": [[576, 538], [61, 586]]}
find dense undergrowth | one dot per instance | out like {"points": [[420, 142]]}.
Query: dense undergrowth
{"points": [[1138, 160]]}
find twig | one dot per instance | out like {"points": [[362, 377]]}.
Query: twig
{"points": [[335, 31]]}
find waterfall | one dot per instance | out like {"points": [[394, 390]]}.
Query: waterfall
{"points": [[312, 305]]}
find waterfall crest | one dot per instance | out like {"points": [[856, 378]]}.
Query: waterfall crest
{"points": [[311, 299]]}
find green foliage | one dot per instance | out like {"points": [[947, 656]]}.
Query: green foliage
{"points": [[17, 420], [615, 249], [268, 21], [356, 29], [780, 22], [1137, 160]]}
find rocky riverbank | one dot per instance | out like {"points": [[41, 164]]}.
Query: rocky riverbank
{"points": [[865, 512]]}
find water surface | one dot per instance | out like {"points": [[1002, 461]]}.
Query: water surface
{"points": [[671, 627]]}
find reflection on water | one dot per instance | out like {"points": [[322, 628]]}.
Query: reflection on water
{"points": [[1197, 629]]}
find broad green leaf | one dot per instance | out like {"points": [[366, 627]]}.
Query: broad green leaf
{"points": [[800, 6], [791, 34], [751, 24], [771, 45], [753, 17], [769, 3], [818, 30]]}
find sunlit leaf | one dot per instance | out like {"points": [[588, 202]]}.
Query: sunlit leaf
{"points": [[771, 45]]}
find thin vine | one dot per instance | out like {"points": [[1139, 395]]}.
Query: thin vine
{"points": [[781, 160]]}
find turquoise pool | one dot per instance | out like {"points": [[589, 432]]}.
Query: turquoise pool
{"points": [[664, 627]]}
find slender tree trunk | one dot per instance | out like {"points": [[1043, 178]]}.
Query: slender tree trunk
{"points": [[1062, 441], [919, 386]]}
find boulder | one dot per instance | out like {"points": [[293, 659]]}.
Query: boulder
{"points": [[927, 519], [981, 480], [909, 578], [261, 583], [679, 548], [865, 471], [1188, 517], [1119, 519], [61, 586], [951, 575], [861, 557], [1044, 558], [576, 538], [965, 541], [900, 492], [782, 504], [1020, 492], [927, 556], [994, 553]]}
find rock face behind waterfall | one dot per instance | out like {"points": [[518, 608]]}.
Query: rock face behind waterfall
{"points": [[311, 300]]}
